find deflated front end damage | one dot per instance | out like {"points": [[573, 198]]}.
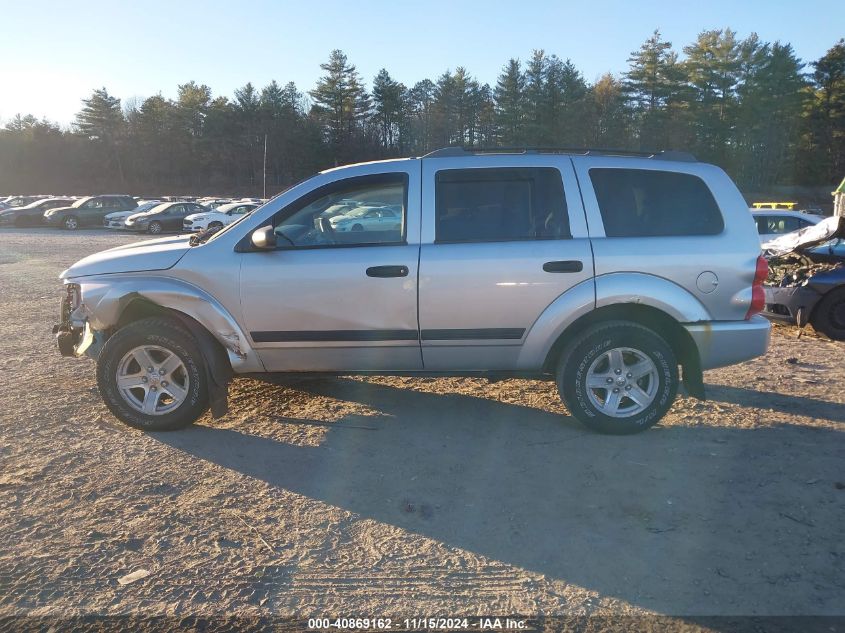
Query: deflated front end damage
{"points": [[93, 308]]}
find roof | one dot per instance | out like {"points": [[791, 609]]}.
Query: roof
{"points": [[450, 152]]}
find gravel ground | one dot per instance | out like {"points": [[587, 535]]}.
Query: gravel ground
{"points": [[395, 496]]}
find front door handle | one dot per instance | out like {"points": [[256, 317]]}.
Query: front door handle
{"points": [[387, 271], [564, 266]]}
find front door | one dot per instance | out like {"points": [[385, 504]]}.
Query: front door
{"points": [[500, 242], [337, 294]]}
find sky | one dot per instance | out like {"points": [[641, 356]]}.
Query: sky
{"points": [[54, 53]]}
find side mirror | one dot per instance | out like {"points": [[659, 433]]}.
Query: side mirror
{"points": [[264, 238]]}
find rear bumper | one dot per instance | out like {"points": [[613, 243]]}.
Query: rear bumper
{"points": [[722, 343]]}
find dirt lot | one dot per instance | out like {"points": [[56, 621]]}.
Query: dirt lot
{"points": [[411, 497]]}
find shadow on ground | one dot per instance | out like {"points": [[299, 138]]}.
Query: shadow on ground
{"points": [[669, 520]]}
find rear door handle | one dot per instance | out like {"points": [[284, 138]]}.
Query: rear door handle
{"points": [[387, 271], [564, 266]]}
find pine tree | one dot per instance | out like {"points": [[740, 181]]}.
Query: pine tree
{"points": [[340, 103], [510, 108], [388, 106]]}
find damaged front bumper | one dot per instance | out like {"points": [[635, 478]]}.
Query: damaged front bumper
{"points": [[74, 335], [790, 304]]}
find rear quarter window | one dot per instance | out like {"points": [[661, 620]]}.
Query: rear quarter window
{"points": [[654, 203]]}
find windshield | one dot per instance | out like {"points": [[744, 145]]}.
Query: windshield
{"points": [[145, 207], [80, 202]]}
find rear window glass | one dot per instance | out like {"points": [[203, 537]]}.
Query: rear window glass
{"points": [[500, 204], [646, 203]]}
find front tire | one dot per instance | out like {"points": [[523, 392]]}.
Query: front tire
{"points": [[829, 315], [619, 378], [70, 223], [154, 228], [152, 375]]}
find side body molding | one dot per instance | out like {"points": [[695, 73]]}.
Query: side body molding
{"points": [[105, 298], [650, 290]]}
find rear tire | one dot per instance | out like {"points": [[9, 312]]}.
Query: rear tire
{"points": [[618, 378], [180, 396], [70, 223], [829, 315]]}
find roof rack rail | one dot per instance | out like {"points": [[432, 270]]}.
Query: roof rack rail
{"points": [[456, 151]]}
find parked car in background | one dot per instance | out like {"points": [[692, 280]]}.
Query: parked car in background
{"points": [[31, 214], [773, 223], [167, 216], [117, 219], [368, 218], [18, 201], [88, 211], [218, 218], [806, 283], [605, 273]]}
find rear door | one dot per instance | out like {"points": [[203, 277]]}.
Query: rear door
{"points": [[501, 240]]}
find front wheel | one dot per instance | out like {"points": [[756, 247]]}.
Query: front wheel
{"points": [[829, 315], [154, 228], [215, 226], [71, 223], [152, 375], [618, 378]]}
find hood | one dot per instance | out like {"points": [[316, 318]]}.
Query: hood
{"points": [[59, 209], [158, 254], [116, 215], [806, 238]]}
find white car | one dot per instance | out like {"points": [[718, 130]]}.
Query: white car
{"points": [[117, 220], [369, 218], [772, 223], [220, 217]]}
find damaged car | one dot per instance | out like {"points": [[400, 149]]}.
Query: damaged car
{"points": [[806, 282], [615, 275]]}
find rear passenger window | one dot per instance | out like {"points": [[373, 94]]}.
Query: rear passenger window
{"points": [[500, 204], [646, 203]]}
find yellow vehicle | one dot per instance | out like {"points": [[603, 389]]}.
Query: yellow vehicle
{"points": [[775, 205]]}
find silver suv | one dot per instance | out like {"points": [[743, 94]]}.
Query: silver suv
{"points": [[603, 271]]}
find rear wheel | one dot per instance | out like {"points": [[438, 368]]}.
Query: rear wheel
{"points": [[618, 378], [829, 315], [154, 228], [152, 375], [70, 223]]}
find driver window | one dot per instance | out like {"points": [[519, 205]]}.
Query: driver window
{"points": [[346, 213]]}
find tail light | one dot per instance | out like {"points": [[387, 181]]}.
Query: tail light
{"points": [[758, 295]]}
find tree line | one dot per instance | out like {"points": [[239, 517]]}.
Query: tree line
{"points": [[752, 107]]}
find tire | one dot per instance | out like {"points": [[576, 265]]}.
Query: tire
{"points": [[157, 337], [829, 315], [357, 227], [596, 356], [215, 225], [21, 222], [70, 223], [154, 228]]}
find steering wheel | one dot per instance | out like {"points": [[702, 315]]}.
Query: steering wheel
{"points": [[325, 226]]}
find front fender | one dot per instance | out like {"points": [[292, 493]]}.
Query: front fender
{"points": [[105, 298]]}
